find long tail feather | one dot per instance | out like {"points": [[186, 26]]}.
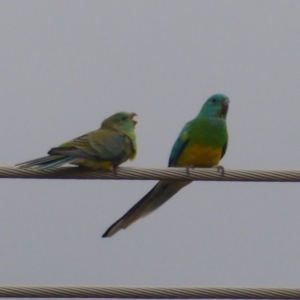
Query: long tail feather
{"points": [[161, 193], [46, 162]]}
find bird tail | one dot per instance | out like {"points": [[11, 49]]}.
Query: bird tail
{"points": [[160, 193], [46, 162]]}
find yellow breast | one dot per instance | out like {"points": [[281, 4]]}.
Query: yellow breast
{"points": [[199, 156]]}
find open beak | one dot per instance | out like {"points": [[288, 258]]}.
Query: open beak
{"points": [[132, 115]]}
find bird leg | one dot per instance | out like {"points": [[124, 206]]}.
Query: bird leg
{"points": [[188, 167], [221, 169], [115, 168]]}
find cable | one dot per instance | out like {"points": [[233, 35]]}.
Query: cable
{"points": [[148, 292], [204, 174]]}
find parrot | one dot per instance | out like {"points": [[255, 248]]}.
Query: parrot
{"points": [[105, 148], [202, 143]]}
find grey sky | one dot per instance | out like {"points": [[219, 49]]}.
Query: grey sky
{"points": [[67, 65]]}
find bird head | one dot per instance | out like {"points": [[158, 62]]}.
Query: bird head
{"points": [[215, 107], [121, 121]]}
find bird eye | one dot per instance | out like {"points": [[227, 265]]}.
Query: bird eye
{"points": [[124, 118], [214, 100]]}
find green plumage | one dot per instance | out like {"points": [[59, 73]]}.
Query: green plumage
{"points": [[201, 143], [105, 148]]}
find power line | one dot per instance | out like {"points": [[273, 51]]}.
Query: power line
{"points": [[127, 173], [148, 292]]}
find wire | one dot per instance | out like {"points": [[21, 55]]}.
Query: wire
{"points": [[204, 174], [148, 292]]}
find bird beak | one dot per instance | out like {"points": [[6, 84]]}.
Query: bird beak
{"points": [[132, 115], [225, 106]]}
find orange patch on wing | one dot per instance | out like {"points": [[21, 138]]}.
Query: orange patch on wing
{"points": [[199, 156]]}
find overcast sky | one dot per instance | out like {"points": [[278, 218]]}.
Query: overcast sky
{"points": [[67, 65]]}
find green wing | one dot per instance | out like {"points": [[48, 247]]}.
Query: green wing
{"points": [[97, 145], [179, 145]]}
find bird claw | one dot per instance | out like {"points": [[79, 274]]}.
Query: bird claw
{"points": [[187, 169], [221, 169], [115, 168]]}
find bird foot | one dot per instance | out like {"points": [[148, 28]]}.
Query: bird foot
{"points": [[187, 169], [115, 169], [221, 169]]}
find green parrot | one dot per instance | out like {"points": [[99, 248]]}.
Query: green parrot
{"points": [[105, 148], [201, 143]]}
